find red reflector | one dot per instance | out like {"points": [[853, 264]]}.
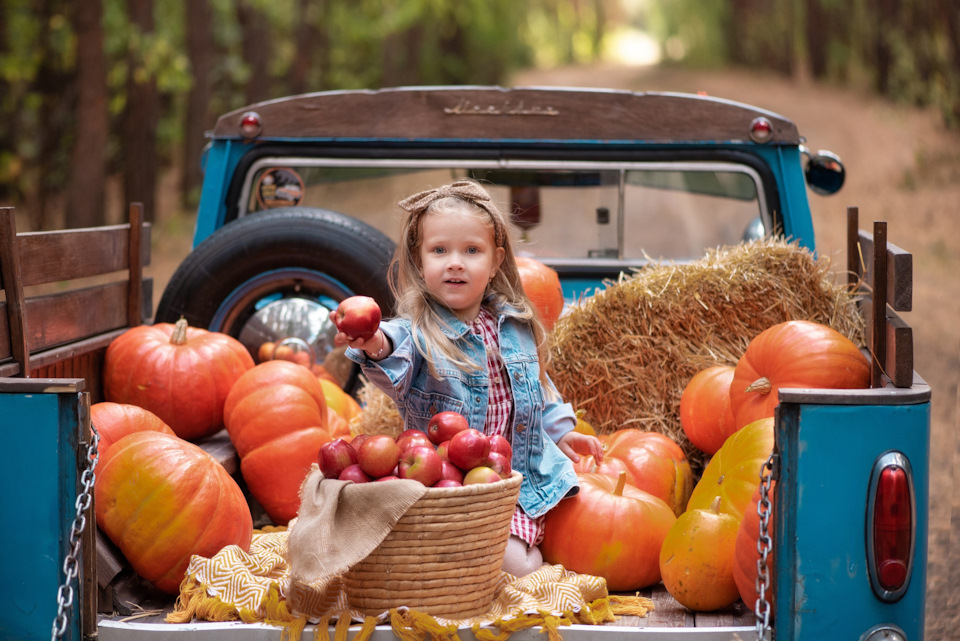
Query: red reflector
{"points": [[250, 124], [761, 130], [892, 527]]}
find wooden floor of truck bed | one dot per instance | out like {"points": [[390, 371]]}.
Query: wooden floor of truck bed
{"points": [[668, 620]]}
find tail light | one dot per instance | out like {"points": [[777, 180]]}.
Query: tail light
{"points": [[250, 124], [761, 130], [891, 526]]}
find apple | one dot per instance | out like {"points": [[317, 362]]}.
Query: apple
{"points": [[378, 455], [442, 450], [480, 474], [412, 438], [354, 473], [357, 317], [389, 477], [448, 483], [468, 449], [265, 351], [444, 425], [358, 440], [500, 444], [499, 464], [421, 463], [450, 472], [335, 456]]}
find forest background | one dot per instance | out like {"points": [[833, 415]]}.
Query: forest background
{"points": [[95, 91]]}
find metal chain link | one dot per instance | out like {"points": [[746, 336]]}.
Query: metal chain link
{"points": [[764, 546], [71, 563]]}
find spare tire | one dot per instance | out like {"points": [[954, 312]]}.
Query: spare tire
{"points": [[297, 257]]}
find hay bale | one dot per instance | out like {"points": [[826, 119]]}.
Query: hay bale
{"points": [[625, 354], [379, 414]]}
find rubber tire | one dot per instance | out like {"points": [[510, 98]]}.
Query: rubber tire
{"points": [[306, 238]]}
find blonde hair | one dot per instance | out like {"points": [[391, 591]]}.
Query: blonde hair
{"points": [[504, 293]]}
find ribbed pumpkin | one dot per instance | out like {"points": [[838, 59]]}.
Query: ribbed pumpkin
{"points": [[705, 413], [541, 284], [747, 556], [161, 499], [697, 558], [182, 374], [609, 529], [653, 461], [115, 420], [793, 354], [277, 416], [733, 473]]}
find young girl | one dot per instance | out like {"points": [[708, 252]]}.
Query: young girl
{"points": [[467, 340]]}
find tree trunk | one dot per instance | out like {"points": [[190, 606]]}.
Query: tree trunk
{"points": [[140, 119], [200, 50], [309, 40], [85, 190], [255, 41]]}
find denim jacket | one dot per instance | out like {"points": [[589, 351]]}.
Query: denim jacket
{"points": [[537, 424]]}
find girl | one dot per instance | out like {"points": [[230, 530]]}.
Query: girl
{"points": [[467, 340]]}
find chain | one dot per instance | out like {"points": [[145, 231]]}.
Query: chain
{"points": [[764, 546], [71, 563]]}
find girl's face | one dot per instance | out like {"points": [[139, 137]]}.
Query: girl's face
{"points": [[458, 257]]}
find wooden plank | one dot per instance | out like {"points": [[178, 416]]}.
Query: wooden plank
{"points": [[899, 289], [10, 274], [854, 260], [495, 113], [878, 342], [135, 264], [899, 363]]}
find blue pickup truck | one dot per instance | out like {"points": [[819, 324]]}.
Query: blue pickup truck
{"points": [[296, 214]]}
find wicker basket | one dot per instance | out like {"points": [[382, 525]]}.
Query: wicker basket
{"points": [[443, 556]]}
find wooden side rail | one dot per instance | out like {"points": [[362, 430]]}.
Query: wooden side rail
{"points": [[56, 332], [884, 275]]}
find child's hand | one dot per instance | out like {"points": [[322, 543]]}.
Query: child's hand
{"points": [[574, 443], [375, 346]]}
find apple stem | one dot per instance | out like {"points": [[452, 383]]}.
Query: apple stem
{"points": [[179, 335], [762, 385], [621, 482]]}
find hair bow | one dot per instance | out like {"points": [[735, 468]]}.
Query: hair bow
{"points": [[464, 189]]}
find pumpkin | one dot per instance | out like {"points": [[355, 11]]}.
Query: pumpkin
{"points": [[275, 467], [161, 499], [705, 413], [609, 529], [733, 473], [747, 556], [541, 284], [793, 354], [653, 462], [268, 404], [697, 558], [182, 374], [115, 420], [339, 401]]}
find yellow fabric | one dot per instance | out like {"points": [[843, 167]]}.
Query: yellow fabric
{"points": [[252, 587]]}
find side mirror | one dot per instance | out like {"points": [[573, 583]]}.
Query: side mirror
{"points": [[824, 172]]}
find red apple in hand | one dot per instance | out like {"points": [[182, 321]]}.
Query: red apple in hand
{"points": [[444, 425], [499, 464], [468, 449], [412, 438], [420, 463], [499, 444], [357, 317], [480, 474], [334, 457], [355, 474], [450, 472], [378, 455]]}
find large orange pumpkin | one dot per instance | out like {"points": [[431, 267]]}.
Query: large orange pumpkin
{"points": [[609, 529], [733, 474], [747, 556], [182, 374], [161, 499], [793, 354], [705, 413], [541, 284], [653, 461], [115, 420], [267, 406], [697, 559]]}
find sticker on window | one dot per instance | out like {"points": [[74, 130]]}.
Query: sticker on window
{"points": [[279, 187]]}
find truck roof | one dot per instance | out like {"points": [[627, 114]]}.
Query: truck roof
{"points": [[525, 114]]}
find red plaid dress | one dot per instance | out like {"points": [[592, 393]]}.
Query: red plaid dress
{"points": [[499, 412]]}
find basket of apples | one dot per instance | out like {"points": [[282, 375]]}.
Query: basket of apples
{"points": [[443, 556]]}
